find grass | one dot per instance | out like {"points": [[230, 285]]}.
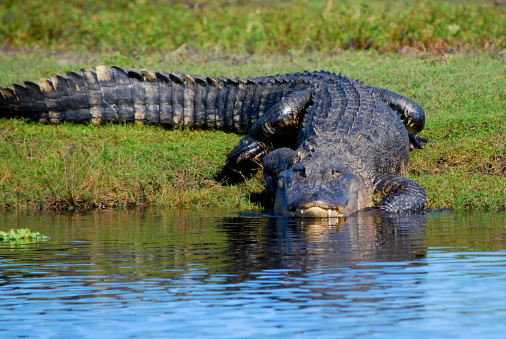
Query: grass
{"points": [[452, 64], [238, 27], [68, 166]]}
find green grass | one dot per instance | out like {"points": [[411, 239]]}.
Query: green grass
{"points": [[130, 27], [68, 166], [448, 56]]}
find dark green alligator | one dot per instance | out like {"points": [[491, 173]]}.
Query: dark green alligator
{"points": [[331, 145]]}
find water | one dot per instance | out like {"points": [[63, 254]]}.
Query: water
{"points": [[218, 274]]}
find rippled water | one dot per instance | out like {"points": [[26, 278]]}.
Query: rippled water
{"points": [[219, 274]]}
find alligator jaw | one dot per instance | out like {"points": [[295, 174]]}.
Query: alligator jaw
{"points": [[317, 212], [311, 212]]}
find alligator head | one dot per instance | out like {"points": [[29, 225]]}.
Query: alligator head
{"points": [[312, 188]]}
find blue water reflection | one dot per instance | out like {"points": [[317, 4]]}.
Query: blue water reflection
{"points": [[187, 274]]}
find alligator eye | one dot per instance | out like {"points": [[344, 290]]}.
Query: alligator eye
{"points": [[299, 168], [334, 172]]}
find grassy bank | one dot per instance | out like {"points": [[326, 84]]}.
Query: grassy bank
{"points": [[448, 56], [68, 165], [260, 26]]}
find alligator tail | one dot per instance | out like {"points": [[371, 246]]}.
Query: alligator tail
{"points": [[118, 95]]}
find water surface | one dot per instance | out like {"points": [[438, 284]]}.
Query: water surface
{"points": [[219, 274]]}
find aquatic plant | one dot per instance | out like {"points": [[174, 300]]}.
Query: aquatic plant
{"points": [[22, 234]]}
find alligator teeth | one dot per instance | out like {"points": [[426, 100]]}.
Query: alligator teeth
{"points": [[316, 212]]}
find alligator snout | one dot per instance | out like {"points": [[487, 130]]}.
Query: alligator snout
{"points": [[306, 191], [319, 204], [316, 212]]}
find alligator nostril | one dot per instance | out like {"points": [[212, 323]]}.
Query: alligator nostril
{"points": [[334, 172]]}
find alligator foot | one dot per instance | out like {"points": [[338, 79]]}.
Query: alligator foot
{"points": [[416, 141], [399, 193], [248, 148]]}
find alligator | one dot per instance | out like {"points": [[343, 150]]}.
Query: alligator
{"points": [[330, 145]]}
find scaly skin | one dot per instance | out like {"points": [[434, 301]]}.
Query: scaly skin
{"points": [[350, 143]]}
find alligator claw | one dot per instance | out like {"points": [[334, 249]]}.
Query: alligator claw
{"points": [[248, 148], [416, 141]]}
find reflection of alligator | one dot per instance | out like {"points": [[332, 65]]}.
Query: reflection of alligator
{"points": [[306, 245], [346, 143]]}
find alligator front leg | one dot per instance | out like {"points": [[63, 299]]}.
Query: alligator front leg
{"points": [[417, 141], [287, 113], [276, 162], [412, 114], [399, 193]]}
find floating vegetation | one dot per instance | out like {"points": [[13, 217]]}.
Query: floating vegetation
{"points": [[22, 235]]}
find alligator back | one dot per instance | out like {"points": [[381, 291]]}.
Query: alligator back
{"points": [[169, 99]]}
